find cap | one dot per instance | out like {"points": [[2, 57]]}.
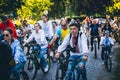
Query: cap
{"points": [[4, 17]]}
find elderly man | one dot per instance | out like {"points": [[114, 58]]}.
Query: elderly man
{"points": [[94, 32]]}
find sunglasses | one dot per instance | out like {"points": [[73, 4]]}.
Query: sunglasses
{"points": [[63, 25], [7, 35], [36, 26]]}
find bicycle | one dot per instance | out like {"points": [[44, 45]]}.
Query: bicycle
{"points": [[77, 74], [62, 65], [52, 51], [21, 75], [34, 62], [107, 58]]}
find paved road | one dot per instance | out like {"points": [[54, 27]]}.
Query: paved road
{"points": [[95, 70]]}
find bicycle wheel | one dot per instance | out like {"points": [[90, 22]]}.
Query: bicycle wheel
{"points": [[109, 64], [59, 73], [47, 58], [53, 59], [23, 76], [95, 50], [31, 68], [103, 55]]}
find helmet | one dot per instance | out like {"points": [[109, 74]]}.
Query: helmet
{"points": [[106, 32]]}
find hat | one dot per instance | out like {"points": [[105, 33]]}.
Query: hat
{"points": [[4, 17], [106, 32]]}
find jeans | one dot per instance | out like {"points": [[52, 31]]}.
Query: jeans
{"points": [[42, 57], [71, 66], [16, 69]]}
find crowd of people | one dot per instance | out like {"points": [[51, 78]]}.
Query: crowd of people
{"points": [[46, 32]]}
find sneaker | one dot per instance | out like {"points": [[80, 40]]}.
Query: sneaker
{"points": [[110, 56], [46, 68], [103, 64]]}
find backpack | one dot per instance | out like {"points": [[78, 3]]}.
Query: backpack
{"points": [[6, 57]]}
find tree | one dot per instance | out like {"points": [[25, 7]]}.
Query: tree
{"points": [[57, 9], [89, 7], [10, 6], [34, 8], [114, 8]]}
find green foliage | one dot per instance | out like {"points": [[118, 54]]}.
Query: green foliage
{"points": [[58, 8], [114, 8], [89, 7], [79, 7], [10, 6], [34, 8]]}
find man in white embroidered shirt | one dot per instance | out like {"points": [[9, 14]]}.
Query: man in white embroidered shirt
{"points": [[78, 51], [106, 41]]}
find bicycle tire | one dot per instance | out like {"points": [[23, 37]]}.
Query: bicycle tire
{"points": [[95, 51], [54, 60], [59, 73], [88, 43], [103, 56], [24, 75], [49, 63], [109, 64], [30, 65]]}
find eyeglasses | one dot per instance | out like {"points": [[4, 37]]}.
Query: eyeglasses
{"points": [[63, 25], [36, 26], [7, 35]]}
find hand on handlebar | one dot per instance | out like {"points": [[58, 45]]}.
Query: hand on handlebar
{"points": [[24, 43], [57, 55], [84, 58]]}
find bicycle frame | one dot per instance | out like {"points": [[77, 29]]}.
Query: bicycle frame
{"points": [[62, 65], [108, 60], [77, 71]]}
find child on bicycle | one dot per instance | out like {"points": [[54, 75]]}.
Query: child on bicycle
{"points": [[106, 41]]}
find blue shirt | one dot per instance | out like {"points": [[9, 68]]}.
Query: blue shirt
{"points": [[17, 51]]}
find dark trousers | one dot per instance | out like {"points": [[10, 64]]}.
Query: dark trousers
{"points": [[4, 74], [104, 49], [92, 39]]}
